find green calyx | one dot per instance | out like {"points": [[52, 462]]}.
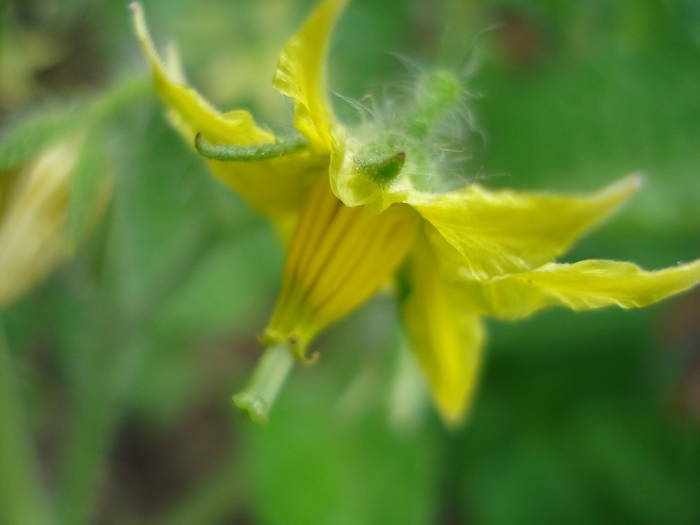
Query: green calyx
{"points": [[382, 158], [381, 171], [386, 156], [406, 146], [232, 153]]}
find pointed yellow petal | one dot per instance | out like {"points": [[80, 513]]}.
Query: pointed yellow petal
{"points": [[301, 74], [339, 256], [581, 286], [501, 232], [190, 111], [447, 341], [275, 187]]}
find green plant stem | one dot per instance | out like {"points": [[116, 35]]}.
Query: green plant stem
{"points": [[100, 401], [269, 375], [211, 502], [97, 413], [22, 498]]}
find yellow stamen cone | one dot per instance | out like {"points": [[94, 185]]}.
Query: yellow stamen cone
{"points": [[338, 258]]}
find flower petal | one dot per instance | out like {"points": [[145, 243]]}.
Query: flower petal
{"points": [[275, 187], [501, 232], [447, 341], [300, 74], [193, 114], [580, 286]]}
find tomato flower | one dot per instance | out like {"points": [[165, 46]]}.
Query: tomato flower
{"points": [[356, 211]]}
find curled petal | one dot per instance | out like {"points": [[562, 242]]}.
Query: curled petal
{"points": [[189, 111], [275, 187], [301, 74], [580, 286]]}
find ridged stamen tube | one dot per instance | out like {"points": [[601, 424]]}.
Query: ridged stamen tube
{"points": [[338, 257]]}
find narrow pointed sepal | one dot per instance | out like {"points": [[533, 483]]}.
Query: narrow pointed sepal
{"points": [[234, 153]]}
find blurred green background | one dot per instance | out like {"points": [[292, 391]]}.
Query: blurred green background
{"points": [[126, 357]]}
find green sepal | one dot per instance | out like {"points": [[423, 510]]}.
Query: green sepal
{"points": [[382, 171], [231, 153]]}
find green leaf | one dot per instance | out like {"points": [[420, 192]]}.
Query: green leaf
{"points": [[313, 464], [87, 190], [35, 133], [41, 128]]}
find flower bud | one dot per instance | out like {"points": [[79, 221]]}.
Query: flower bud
{"points": [[33, 214]]}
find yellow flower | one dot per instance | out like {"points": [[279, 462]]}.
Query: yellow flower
{"points": [[357, 203], [33, 215]]}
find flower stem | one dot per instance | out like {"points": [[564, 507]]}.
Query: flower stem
{"points": [[269, 375]]}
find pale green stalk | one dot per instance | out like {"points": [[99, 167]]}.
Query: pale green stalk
{"points": [[269, 375]]}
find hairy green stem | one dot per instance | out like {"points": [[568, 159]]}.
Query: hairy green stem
{"points": [[438, 92], [22, 497]]}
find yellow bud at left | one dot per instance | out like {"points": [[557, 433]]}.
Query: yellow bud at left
{"points": [[33, 211]]}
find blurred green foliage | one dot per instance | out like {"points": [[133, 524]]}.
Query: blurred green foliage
{"points": [[125, 359]]}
